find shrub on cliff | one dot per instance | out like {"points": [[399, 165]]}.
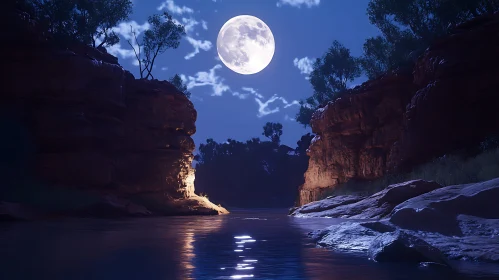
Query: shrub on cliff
{"points": [[179, 84], [86, 21], [165, 33], [329, 79]]}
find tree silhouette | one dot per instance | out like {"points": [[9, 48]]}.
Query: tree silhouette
{"points": [[254, 173], [329, 79], [408, 27], [164, 34], [179, 84], [273, 131]]}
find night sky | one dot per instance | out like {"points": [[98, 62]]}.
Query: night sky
{"points": [[303, 30]]}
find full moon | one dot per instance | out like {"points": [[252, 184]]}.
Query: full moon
{"points": [[245, 44]]}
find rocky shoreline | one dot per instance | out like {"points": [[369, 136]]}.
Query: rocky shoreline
{"points": [[416, 221]]}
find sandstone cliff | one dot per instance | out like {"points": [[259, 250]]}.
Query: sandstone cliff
{"points": [[94, 127], [400, 120]]}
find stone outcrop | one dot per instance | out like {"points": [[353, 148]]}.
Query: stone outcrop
{"points": [[447, 224], [94, 127], [403, 119], [354, 134], [376, 206], [437, 211]]}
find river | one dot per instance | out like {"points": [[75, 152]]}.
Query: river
{"points": [[258, 244]]}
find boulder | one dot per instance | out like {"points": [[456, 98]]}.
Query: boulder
{"points": [[437, 211], [376, 206], [324, 205], [403, 247]]}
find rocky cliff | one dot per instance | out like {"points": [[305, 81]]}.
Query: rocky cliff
{"points": [[94, 127], [403, 119]]}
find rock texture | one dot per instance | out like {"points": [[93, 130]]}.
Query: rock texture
{"points": [[97, 128], [354, 134], [376, 206], [448, 224], [404, 119], [437, 211]]}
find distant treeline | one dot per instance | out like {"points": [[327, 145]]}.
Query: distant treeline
{"points": [[254, 173], [407, 28]]}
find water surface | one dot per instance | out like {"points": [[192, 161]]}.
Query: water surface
{"points": [[263, 244]]}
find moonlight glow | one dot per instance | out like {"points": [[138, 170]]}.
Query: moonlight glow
{"points": [[245, 44]]}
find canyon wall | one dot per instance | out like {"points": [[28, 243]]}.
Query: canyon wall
{"points": [[448, 101], [94, 127]]}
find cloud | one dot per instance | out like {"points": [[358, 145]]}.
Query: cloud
{"points": [[204, 24], [124, 30], [240, 95], [263, 107], [249, 91], [189, 24], [299, 3], [207, 79], [288, 118], [305, 65], [164, 68], [252, 91], [174, 9], [197, 44]]}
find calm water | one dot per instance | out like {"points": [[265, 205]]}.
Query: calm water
{"points": [[242, 245]]}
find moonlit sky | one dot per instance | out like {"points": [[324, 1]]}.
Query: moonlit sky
{"points": [[236, 106]]}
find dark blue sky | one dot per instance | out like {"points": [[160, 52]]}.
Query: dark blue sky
{"points": [[301, 28]]}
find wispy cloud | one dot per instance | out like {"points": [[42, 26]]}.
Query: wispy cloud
{"points": [[252, 91], [204, 24], [174, 9], [247, 91], [299, 3], [189, 24], [164, 68], [288, 118], [304, 64], [197, 44], [240, 95], [264, 107], [209, 78]]}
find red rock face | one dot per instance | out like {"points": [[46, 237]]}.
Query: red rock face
{"points": [[354, 134], [450, 101], [94, 126]]}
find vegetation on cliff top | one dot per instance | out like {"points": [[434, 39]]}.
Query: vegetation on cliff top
{"points": [[93, 23], [407, 28]]}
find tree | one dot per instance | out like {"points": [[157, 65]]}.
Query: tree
{"points": [[164, 34], [87, 21], [254, 173], [408, 27], [303, 144], [273, 131], [329, 79], [179, 84]]}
